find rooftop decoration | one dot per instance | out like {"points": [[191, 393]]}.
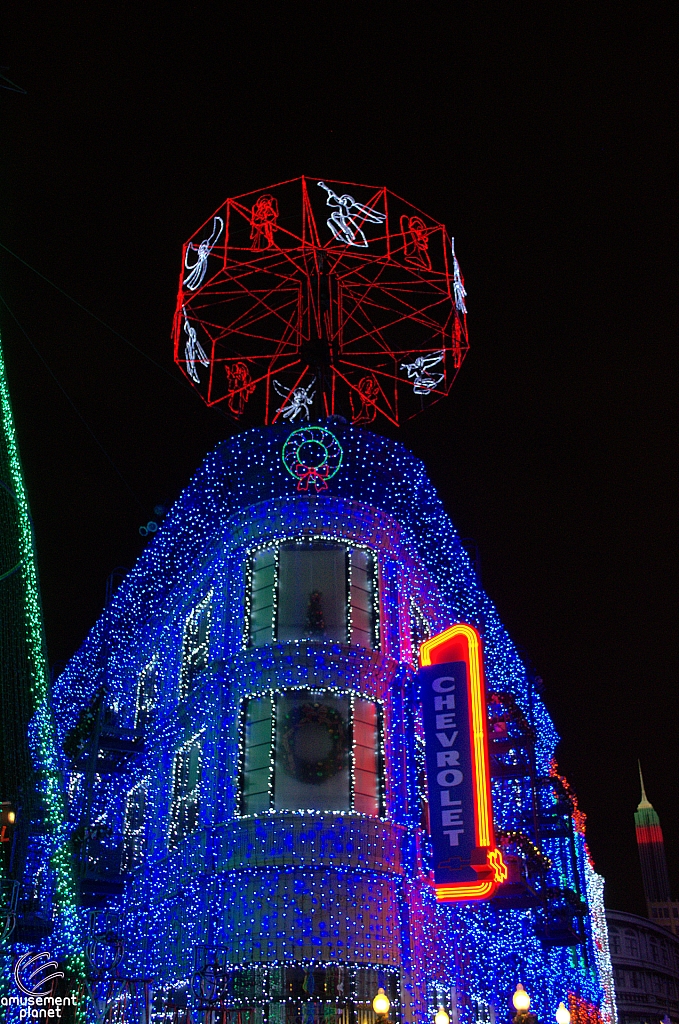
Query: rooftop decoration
{"points": [[311, 298]]}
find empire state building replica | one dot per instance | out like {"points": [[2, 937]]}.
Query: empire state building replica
{"points": [[660, 907]]}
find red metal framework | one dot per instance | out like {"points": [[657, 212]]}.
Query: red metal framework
{"points": [[320, 298]]}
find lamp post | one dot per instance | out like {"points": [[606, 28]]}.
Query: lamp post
{"points": [[521, 1001], [381, 1006], [441, 1016], [562, 1014]]}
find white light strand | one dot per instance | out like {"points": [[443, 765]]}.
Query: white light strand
{"points": [[296, 402], [347, 217], [458, 286], [196, 275], [193, 350], [419, 371]]}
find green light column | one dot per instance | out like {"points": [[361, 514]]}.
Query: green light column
{"points": [[67, 937]]}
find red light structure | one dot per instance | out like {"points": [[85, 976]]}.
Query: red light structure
{"points": [[320, 298]]}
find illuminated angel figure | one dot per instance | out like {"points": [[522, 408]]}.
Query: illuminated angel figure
{"points": [[240, 387], [263, 217], [299, 401], [345, 221], [416, 240], [194, 278], [368, 391], [193, 350], [420, 373], [458, 283]]}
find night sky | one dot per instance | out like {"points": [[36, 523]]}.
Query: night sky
{"points": [[548, 148]]}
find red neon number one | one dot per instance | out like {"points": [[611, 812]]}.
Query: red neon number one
{"points": [[462, 643]]}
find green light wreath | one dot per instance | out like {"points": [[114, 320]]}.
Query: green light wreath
{"points": [[312, 455], [314, 771]]}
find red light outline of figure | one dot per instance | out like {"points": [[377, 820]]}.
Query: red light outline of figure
{"points": [[240, 385], [462, 643], [368, 391], [263, 217], [416, 241]]}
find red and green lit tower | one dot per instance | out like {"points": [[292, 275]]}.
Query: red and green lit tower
{"points": [[651, 850], [660, 905]]}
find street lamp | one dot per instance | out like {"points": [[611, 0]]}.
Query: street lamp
{"points": [[381, 1005], [521, 1001], [441, 1017], [562, 1015]]}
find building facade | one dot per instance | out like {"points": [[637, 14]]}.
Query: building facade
{"points": [[645, 961], [244, 753]]}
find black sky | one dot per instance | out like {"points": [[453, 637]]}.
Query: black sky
{"points": [[549, 148]]}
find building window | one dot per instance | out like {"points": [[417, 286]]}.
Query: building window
{"points": [[330, 993], [257, 768], [147, 689], [421, 771], [186, 779], [262, 601], [133, 827], [195, 645], [313, 590], [419, 630], [312, 750], [614, 940]]}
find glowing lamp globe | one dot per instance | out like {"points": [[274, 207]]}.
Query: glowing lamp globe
{"points": [[562, 1015], [441, 1017], [521, 999], [381, 1003]]}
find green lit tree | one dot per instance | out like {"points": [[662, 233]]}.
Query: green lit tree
{"points": [[25, 687]]}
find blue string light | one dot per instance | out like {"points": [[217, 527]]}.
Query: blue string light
{"points": [[301, 888]]}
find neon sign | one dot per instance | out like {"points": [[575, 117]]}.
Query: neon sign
{"points": [[467, 864]]}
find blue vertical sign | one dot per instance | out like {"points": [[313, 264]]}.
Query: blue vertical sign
{"points": [[450, 776]]}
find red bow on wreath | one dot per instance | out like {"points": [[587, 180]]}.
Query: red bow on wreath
{"points": [[311, 475]]}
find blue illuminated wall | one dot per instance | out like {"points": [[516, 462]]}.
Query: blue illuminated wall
{"points": [[286, 888]]}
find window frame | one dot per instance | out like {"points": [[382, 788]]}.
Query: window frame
{"points": [[134, 842], [352, 695], [187, 670], [178, 801], [418, 626], [308, 541], [146, 697]]}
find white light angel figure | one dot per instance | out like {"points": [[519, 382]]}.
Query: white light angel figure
{"points": [[298, 402], [458, 283], [193, 350], [194, 278], [420, 373], [345, 221]]}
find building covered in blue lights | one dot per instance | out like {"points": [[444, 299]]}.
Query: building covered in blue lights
{"points": [[244, 754]]}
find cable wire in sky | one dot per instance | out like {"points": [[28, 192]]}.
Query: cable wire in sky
{"points": [[173, 376], [71, 403]]}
